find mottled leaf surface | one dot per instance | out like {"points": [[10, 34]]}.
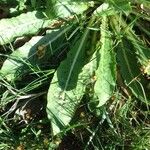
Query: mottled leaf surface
{"points": [[66, 8], [36, 52], [106, 72], [24, 24], [31, 22], [68, 86]]}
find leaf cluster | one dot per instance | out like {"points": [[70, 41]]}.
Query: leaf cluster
{"points": [[74, 55]]}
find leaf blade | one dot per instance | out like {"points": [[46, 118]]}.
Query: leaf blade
{"points": [[63, 98], [30, 54], [24, 24], [129, 70], [106, 72]]}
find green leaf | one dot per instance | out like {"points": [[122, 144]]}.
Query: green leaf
{"points": [[37, 52], [106, 72], [65, 8], [28, 23], [129, 70], [31, 22], [104, 10], [68, 85], [142, 52], [121, 5], [21, 4]]}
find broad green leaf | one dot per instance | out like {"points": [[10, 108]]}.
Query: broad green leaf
{"points": [[106, 72], [31, 22], [121, 5], [141, 50], [37, 52], [126, 55], [28, 23], [66, 8], [129, 70], [68, 85], [104, 10]]}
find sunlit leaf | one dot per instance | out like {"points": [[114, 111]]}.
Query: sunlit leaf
{"points": [[68, 85], [106, 72], [66, 8], [28, 23], [123, 6], [37, 52], [104, 10]]}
